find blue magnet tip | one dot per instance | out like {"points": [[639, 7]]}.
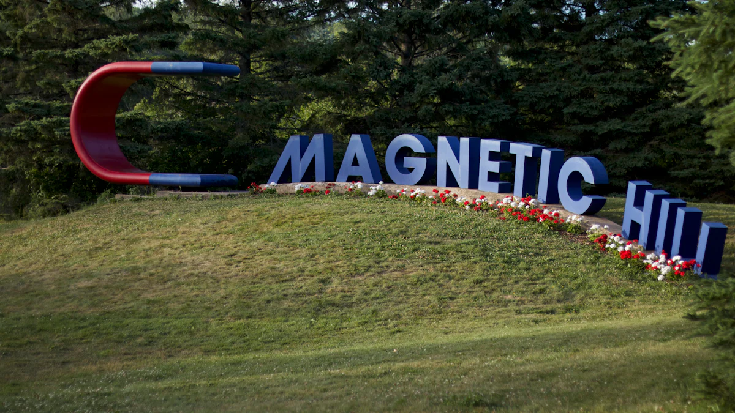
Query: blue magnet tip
{"points": [[194, 68], [193, 180]]}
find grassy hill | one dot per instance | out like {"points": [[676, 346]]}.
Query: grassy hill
{"points": [[280, 303]]}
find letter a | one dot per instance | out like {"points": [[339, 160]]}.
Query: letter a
{"points": [[360, 147]]}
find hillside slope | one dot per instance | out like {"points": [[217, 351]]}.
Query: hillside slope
{"points": [[280, 303]]}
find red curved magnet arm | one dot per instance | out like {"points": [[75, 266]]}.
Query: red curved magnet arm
{"points": [[92, 122]]}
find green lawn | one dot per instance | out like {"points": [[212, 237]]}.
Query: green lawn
{"points": [[281, 303]]}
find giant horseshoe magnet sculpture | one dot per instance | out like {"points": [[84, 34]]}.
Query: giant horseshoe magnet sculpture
{"points": [[93, 122]]}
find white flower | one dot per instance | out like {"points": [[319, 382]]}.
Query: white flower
{"points": [[660, 278], [606, 226], [662, 258], [380, 183], [595, 226], [359, 185], [273, 184], [677, 258], [666, 270], [620, 249], [514, 204]]}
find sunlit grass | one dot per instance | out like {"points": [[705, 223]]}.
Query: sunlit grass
{"points": [[330, 304]]}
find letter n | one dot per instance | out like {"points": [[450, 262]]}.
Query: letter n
{"points": [[461, 158]]}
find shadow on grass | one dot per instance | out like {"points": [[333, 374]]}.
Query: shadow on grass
{"points": [[607, 366]]}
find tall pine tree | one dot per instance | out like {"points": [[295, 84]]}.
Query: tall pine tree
{"points": [[47, 49], [703, 44], [233, 125], [590, 81], [423, 66]]}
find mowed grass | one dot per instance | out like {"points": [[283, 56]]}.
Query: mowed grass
{"points": [[280, 303]]}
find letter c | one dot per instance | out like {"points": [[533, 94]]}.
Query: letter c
{"points": [[569, 184]]}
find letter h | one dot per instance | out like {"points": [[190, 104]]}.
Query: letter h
{"points": [[641, 214]]}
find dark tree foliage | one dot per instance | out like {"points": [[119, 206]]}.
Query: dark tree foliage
{"points": [[415, 66], [47, 49], [233, 125], [590, 81], [577, 75], [703, 44]]}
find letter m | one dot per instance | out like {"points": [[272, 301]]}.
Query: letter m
{"points": [[299, 152]]}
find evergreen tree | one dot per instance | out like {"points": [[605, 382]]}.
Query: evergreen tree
{"points": [[233, 125], [591, 82], [422, 66], [703, 44], [47, 49]]}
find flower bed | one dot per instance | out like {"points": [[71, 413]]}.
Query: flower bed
{"points": [[524, 209], [659, 265]]}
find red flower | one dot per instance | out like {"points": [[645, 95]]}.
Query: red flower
{"points": [[327, 192], [435, 191], [502, 218]]}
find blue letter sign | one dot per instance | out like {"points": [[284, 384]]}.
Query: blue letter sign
{"points": [[490, 166], [398, 163], [360, 147], [657, 220], [569, 184]]}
